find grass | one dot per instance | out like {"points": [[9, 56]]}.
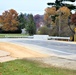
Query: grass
{"points": [[13, 35], [26, 67]]}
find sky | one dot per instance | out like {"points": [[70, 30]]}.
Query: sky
{"points": [[25, 6]]}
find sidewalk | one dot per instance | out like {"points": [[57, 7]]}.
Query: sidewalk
{"points": [[4, 53], [5, 56]]}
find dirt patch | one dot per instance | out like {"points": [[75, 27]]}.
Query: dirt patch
{"points": [[19, 51], [55, 62]]}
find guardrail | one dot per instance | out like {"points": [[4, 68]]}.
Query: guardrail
{"points": [[47, 37], [58, 38]]}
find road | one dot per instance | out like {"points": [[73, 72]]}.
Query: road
{"points": [[55, 46], [27, 48], [59, 48]]}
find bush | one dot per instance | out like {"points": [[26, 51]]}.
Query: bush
{"points": [[43, 30], [12, 32]]}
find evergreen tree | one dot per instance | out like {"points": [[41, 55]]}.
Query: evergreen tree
{"points": [[22, 21], [59, 3], [31, 27]]}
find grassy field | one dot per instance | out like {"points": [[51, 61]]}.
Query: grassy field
{"points": [[25, 67]]}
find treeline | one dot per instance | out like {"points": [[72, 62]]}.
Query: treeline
{"points": [[11, 22], [54, 22]]}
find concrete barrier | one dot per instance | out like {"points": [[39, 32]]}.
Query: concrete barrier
{"points": [[41, 37]]}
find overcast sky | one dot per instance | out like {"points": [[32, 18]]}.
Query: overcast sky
{"points": [[25, 6]]}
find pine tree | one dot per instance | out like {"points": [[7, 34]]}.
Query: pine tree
{"points": [[22, 21], [31, 27], [59, 3]]}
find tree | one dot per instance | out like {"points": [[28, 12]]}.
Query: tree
{"points": [[59, 13], [63, 6], [43, 30], [49, 15], [73, 19], [9, 20], [22, 21], [60, 3], [65, 11], [38, 20], [31, 27], [51, 10]]}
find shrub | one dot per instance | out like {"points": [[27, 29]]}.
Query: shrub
{"points": [[43, 30]]}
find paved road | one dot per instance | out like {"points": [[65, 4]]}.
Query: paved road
{"points": [[57, 47], [60, 48]]}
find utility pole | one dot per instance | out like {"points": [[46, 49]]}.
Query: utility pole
{"points": [[60, 23]]}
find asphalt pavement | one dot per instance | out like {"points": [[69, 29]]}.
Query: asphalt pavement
{"points": [[51, 47], [58, 47]]}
